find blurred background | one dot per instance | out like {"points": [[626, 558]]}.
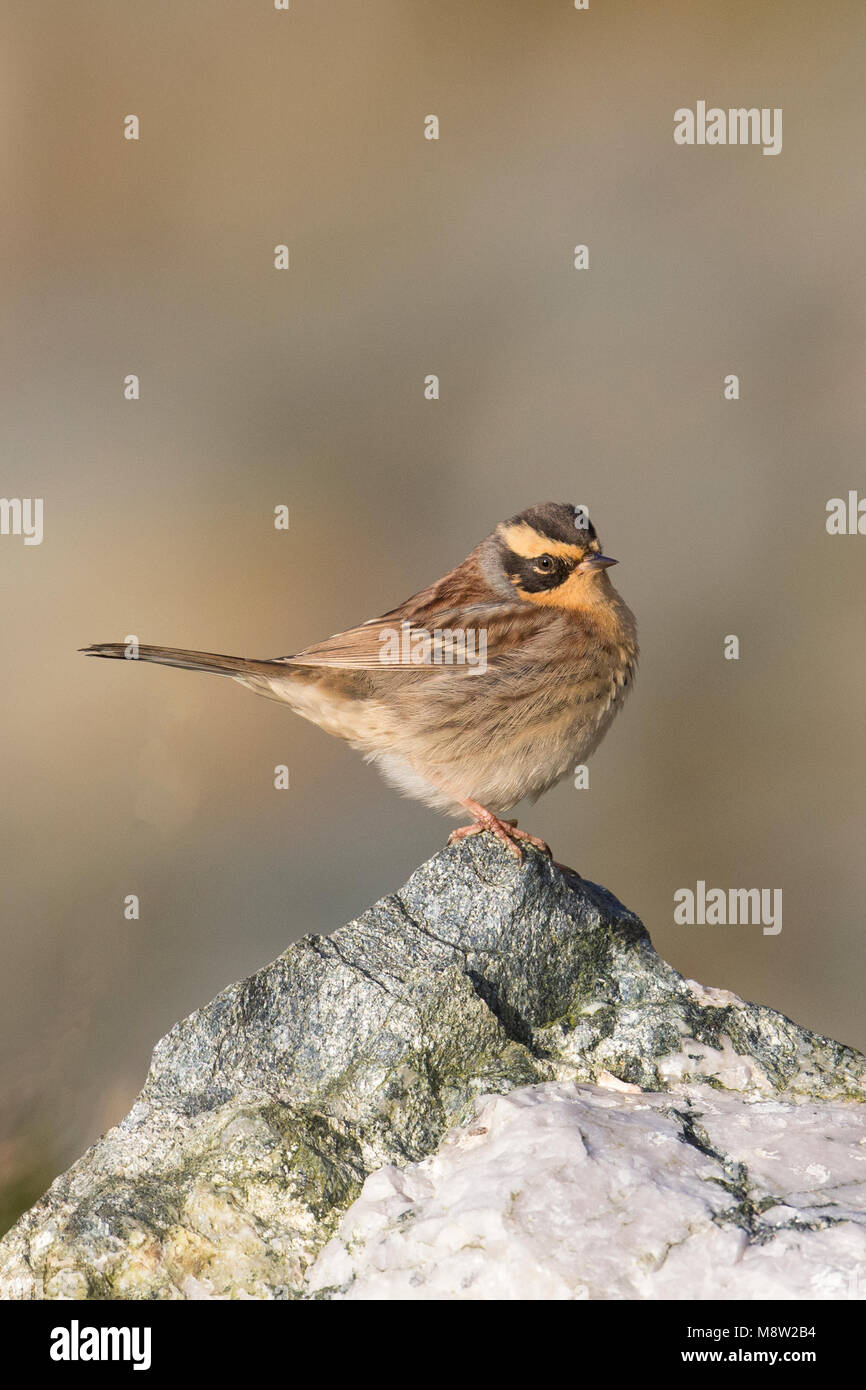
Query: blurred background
{"points": [[305, 388]]}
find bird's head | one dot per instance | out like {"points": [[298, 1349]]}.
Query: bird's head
{"points": [[551, 555]]}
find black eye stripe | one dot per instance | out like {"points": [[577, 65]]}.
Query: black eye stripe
{"points": [[523, 570]]}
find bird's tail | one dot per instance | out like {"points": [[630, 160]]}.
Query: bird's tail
{"points": [[189, 661]]}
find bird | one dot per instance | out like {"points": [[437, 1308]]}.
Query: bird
{"points": [[484, 689]]}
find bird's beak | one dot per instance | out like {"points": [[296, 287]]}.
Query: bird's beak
{"points": [[595, 562]]}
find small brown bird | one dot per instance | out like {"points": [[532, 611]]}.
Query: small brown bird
{"points": [[485, 688]]}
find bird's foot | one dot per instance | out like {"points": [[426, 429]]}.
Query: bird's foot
{"points": [[505, 830]]}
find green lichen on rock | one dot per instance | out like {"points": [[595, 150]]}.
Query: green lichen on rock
{"points": [[264, 1111]]}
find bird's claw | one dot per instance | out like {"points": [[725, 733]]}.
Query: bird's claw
{"points": [[505, 830]]}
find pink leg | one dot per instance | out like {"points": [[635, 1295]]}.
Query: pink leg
{"points": [[504, 830]]}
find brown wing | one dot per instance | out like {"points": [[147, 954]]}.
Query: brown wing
{"points": [[397, 639], [460, 602]]}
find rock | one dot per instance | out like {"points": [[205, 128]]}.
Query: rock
{"points": [[571, 1192], [264, 1112]]}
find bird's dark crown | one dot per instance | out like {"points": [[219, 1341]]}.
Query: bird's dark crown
{"points": [[557, 521]]}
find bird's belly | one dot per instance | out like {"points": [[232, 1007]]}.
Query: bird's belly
{"points": [[527, 765], [497, 754], [459, 737]]}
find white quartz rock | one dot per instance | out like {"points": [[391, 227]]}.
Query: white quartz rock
{"points": [[560, 1191]]}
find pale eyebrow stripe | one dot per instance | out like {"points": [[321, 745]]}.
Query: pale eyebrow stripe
{"points": [[527, 543]]}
